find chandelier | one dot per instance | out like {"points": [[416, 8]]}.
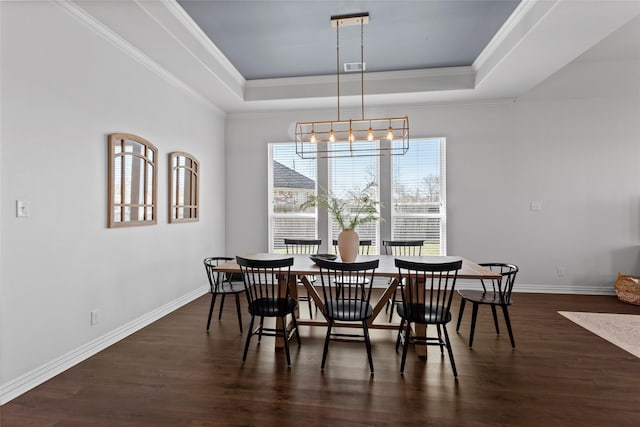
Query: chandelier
{"points": [[353, 137]]}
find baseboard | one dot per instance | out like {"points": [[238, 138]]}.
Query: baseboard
{"points": [[28, 381], [547, 289], [531, 288]]}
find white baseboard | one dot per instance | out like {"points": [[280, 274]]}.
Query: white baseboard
{"points": [[28, 381], [529, 288], [547, 289]]}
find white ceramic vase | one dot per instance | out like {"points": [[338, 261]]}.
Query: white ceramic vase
{"points": [[348, 245]]}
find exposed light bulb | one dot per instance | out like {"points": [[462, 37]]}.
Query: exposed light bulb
{"points": [[370, 135], [332, 137], [313, 137], [390, 134]]}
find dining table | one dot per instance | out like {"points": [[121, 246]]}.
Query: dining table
{"points": [[305, 271]]}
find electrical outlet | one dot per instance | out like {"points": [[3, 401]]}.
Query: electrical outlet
{"points": [[535, 206], [23, 208], [95, 317], [561, 271]]}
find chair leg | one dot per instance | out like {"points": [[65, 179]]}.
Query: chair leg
{"points": [[462, 304], [440, 339], [474, 316], [392, 306], [399, 334], [239, 311], [405, 346], [213, 302], [309, 304], [249, 334], [286, 339], [221, 305], [326, 344], [260, 330], [295, 325], [505, 310], [367, 343], [495, 318], [450, 350]]}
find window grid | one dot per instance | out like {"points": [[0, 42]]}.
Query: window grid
{"points": [[132, 181]]}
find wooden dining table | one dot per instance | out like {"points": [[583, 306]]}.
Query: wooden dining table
{"points": [[305, 269]]}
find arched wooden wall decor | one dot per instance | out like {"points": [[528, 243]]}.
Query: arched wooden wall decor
{"points": [[133, 176], [184, 186]]}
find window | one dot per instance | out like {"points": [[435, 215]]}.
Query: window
{"points": [[291, 179], [411, 187], [132, 181], [354, 173], [183, 187], [418, 195]]}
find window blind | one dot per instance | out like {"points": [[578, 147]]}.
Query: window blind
{"points": [[418, 195], [354, 173], [291, 181]]}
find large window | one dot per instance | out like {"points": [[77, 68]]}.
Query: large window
{"points": [[418, 195], [291, 179], [411, 187]]}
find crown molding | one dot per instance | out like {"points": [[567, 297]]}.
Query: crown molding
{"points": [[106, 33], [409, 81]]}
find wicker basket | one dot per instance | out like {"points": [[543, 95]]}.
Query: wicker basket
{"points": [[628, 288]]}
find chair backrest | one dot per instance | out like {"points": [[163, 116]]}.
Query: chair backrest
{"points": [[346, 288], [216, 278], [403, 247], [266, 279], [505, 286], [302, 246], [427, 288], [363, 248]]}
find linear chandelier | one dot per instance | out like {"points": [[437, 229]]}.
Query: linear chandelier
{"points": [[353, 137]]}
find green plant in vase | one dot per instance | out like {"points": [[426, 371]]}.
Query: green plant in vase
{"points": [[357, 208]]}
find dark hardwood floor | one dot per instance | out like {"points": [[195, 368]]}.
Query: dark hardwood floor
{"points": [[173, 373]]}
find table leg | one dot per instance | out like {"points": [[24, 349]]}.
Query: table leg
{"points": [[420, 330], [312, 292], [293, 292]]}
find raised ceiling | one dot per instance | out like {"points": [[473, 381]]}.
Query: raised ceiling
{"points": [[432, 51], [270, 39]]}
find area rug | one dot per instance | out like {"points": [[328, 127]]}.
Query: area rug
{"points": [[622, 330]]}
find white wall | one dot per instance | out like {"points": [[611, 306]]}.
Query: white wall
{"points": [[64, 88], [571, 145]]}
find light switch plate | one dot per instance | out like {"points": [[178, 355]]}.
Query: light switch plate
{"points": [[23, 208]]}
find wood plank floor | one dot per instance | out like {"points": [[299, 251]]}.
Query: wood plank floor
{"points": [[173, 373]]}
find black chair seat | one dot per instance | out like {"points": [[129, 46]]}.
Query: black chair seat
{"points": [[267, 288], [270, 307], [223, 284], [427, 290], [482, 297], [346, 288], [347, 310], [231, 288], [424, 314], [496, 295]]}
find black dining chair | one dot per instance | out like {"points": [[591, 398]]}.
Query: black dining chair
{"points": [[400, 248], [498, 295], [266, 284], [307, 247], [223, 284], [363, 248], [427, 290], [346, 290]]}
